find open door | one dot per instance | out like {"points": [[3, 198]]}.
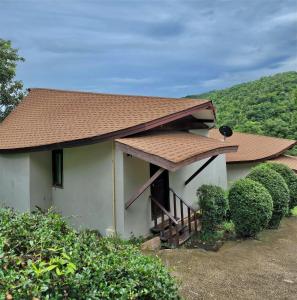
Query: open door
{"points": [[160, 190]]}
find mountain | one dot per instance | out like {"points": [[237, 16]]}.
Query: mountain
{"points": [[267, 106]]}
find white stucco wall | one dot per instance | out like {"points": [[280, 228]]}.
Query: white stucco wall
{"points": [[14, 181], [137, 218], [237, 171], [86, 195], [40, 180], [214, 173]]}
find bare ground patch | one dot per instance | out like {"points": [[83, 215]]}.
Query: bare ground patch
{"points": [[252, 269]]}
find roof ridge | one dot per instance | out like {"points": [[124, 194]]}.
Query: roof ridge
{"points": [[111, 94]]}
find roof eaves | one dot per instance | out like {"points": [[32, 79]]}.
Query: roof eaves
{"points": [[113, 135], [264, 158]]}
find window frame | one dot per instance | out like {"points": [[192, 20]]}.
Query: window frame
{"points": [[54, 168]]}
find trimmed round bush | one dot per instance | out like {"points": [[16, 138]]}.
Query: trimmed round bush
{"points": [[290, 178], [43, 257], [278, 189], [214, 205], [250, 207]]}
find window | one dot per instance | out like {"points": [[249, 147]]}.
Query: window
{"points": [[57, 168]]}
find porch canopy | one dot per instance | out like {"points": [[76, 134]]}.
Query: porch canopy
{"points": [[173, 150]]}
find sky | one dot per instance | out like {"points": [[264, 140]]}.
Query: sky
{"points": [[150, 47]]}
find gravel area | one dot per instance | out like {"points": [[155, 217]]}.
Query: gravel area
{"points": [[265, 268]]}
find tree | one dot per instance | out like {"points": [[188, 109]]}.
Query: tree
{"points": [[11, 90], [266, 106]]}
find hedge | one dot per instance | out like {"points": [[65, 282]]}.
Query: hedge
{"points": [[214, 205], [290, 178], [250, 207], [42, 257], [278, 189]]}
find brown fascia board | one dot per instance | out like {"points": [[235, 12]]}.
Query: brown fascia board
{"points": [[114, 135], [169, 165], [262, 159]]}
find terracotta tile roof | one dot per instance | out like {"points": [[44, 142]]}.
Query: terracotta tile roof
{"points": [[254, 147], [173, 150], [57, 118], [290, 161]]}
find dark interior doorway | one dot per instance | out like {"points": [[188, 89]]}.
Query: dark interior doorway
{"points": [[160, 190]]}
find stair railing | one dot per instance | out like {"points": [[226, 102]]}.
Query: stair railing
{"points": [[173, 239], [190, 212]]}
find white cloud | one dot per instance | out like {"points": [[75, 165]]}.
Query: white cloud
{"points": [[155, 47]]}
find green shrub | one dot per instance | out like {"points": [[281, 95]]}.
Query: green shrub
{"points": [[290, 178], [250, 207], [41, 256], [213, 204], [278, 189]]}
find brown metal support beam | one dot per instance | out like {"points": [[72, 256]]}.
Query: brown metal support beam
{"points": [[200, 169], [144, 187]]}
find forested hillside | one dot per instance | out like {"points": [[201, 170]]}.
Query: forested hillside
{"points": [[266, 106]]}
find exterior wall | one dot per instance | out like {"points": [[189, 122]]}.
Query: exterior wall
{"points": [[40, 180], [237, 171], [86, 195], [203, 132], [135, 172], [215, 174], [138, 215], [14, 181], [137, 218]]}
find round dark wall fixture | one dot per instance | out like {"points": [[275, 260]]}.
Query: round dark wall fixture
{"points": [[226, 131]]}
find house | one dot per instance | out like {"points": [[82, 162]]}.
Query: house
{"points": [[115, 163], [254, 149]]}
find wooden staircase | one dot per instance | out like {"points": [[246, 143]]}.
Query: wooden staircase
{"points": [[177, 227]]}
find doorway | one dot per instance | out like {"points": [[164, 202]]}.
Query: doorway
{"points": [[159, 191]]}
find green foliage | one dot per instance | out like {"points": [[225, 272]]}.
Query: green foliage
{"points": [[228, 227], [277, 188], [41, 256], [10, 89], [250, 207], [294, 211], [267, 106], [290, 178], [213, 204], [211, 236], [292, 151]]}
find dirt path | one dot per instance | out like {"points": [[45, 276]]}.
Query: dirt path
{"points": [[252, 269]]}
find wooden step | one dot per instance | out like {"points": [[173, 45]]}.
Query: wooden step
{"points": [[165, 236], [159, 227], [185, 236]]}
